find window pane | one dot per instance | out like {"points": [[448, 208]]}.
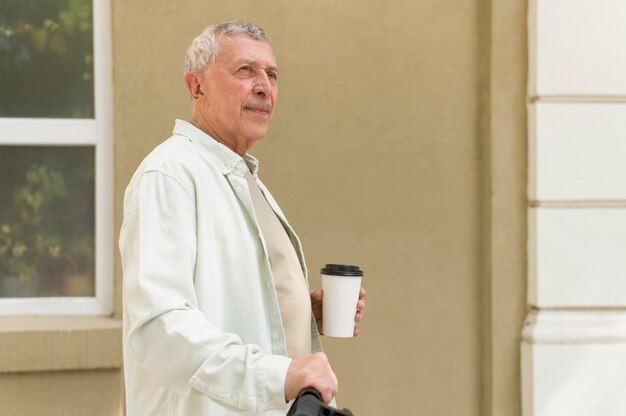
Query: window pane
{"points": [[46, 58], [47, 226]]}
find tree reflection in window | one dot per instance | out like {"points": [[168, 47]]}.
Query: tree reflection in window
{"points": [[47, 224], [46, 59]]}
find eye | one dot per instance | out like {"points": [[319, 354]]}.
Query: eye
{"points": [[272, 76], [246, 69]]}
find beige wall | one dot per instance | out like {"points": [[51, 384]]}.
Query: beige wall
{"points": [[62, 393], [398, 146], [60, 366]]}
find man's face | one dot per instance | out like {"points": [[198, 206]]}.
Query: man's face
{"points": [[240, 90]]}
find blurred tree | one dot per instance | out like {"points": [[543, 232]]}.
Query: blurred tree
{"points": [[46, 58], [47, 217]]}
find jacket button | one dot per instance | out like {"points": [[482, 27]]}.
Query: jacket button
{"points": [[275, 337]]}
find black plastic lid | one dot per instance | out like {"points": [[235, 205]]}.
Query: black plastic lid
{"points": [[341, 270]]}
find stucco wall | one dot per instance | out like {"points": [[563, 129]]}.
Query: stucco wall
{"points": [[373, 156], [67, 393], [399, 144], [377, 156]]}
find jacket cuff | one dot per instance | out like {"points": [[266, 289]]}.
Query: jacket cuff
{"points": [[271, 373]]}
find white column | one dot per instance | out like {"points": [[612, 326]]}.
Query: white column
{"points": [[574, 340]]}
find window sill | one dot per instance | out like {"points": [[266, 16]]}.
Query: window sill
{"points": [[51, 343]]}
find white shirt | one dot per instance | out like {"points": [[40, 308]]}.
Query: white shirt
{"points": [[203, 333]]}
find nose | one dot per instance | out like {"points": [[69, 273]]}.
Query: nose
{"points": [[262, 84]]}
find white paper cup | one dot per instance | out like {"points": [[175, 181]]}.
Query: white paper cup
{"points": [[341, 285]]}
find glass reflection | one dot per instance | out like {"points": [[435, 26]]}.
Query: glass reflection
{"points": [[46, 59], [47, 228]]}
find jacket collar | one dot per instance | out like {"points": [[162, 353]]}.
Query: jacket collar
{"points": [[227, 160]]}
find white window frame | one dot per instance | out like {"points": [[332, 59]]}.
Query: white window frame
{"points": [[97, 132]]}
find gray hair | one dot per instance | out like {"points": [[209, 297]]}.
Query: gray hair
{"points": [[203, 48]]}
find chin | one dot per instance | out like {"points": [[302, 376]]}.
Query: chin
{"points": [[257, 134]]}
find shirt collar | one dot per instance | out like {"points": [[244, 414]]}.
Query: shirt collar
{"points": [[227, 160]]}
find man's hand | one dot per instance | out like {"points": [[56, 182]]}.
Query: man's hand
{"points": [[314, 371], [317, 297]]}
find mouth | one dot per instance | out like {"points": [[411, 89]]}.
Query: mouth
{"points": [[259, 108]]}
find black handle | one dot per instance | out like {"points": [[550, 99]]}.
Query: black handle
{"points": [[309, 403]]}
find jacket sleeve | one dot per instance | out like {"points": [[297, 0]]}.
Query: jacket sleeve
{"points": [[171, 338]]}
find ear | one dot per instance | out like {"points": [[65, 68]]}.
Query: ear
{"points": [[192, 82]]}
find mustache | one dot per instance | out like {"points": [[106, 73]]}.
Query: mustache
{"points": [[267, 107]]}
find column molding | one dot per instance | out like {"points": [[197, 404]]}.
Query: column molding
{"points": [[503, 41], [566, 326]]}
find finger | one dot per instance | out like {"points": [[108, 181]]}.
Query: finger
{"points": [[317, 295], [328, 395], [360, 305], [356, 331], [333, 389], [328, 388], [358, 317], [362, 293]]}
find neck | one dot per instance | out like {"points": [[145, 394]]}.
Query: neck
{"points": [[203, 124]]}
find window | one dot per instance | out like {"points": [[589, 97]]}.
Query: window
{"points": [[56, 166]]}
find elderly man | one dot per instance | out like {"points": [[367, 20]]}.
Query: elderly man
{"points": [[218, 318]]}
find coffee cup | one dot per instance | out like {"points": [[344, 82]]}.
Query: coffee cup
{"points": [[341, 284]]}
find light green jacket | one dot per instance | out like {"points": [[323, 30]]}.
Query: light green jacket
{"points": [[202, 328]]}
